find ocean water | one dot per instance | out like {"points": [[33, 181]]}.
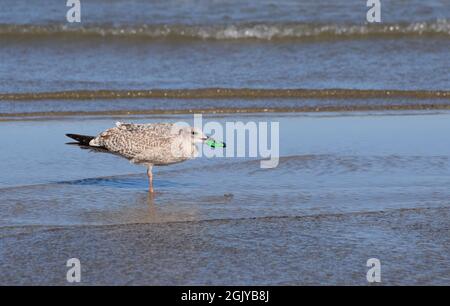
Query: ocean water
{"points": [[129, 45], [364, 161]]}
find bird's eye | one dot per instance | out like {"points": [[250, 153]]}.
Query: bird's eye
{"points": [[194, 133]]}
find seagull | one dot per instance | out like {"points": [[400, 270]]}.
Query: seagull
{"points": [[150, 144]]}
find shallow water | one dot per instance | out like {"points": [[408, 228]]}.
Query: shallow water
{"points": [[329, 163]]}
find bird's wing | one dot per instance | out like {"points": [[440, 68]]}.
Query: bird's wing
{"points": [[158, 129], [130, 140]]}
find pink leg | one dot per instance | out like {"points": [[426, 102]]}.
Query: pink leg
{"points": [[150, 179]]}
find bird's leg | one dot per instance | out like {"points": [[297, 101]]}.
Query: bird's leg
{"points": [[150, 178]]}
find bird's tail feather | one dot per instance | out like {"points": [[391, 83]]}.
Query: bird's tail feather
{"points": [[82, 139]]}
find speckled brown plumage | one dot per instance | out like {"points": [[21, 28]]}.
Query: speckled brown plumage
{"points": [[149, 144], [153, 144]]}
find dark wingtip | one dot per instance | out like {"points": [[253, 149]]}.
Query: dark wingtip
{"points": [[82, 139], [72, 136]]}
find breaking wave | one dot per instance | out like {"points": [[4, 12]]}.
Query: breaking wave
{"points": [[258, 31]]}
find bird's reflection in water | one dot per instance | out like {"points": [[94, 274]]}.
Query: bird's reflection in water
{"points": [[151, 203], [145, 208], [155, 208]]}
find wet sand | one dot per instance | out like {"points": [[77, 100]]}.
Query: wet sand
{"points": [[229, 93], [349, 186], [412, 244]]}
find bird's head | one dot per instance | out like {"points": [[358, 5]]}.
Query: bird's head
{"points": [[197, 136]]}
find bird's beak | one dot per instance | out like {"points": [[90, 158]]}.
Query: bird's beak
{"points": [[214, 143]]}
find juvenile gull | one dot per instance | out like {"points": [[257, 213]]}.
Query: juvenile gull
{"points": [[152, 144]]}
